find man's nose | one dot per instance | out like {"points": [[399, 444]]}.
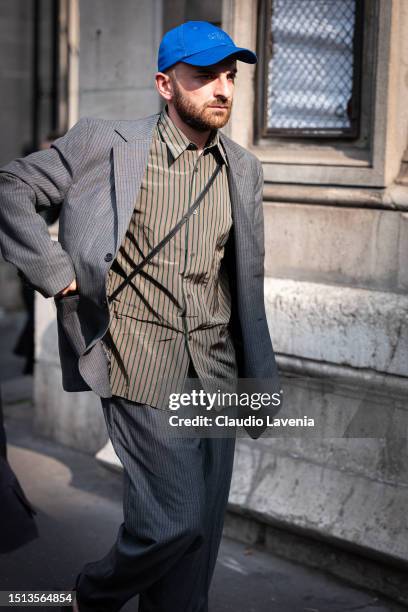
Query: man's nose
{"points": [[222, 88]]}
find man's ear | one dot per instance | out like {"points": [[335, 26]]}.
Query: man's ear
{"points": [[164, 85]]}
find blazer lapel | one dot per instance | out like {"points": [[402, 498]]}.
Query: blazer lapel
{"points": [[241, 209], [130, 159]]}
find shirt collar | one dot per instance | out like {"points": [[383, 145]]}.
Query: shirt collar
{"points": [[177, 142]]}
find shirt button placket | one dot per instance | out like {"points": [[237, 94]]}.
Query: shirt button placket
{"points": [[187, 294]]}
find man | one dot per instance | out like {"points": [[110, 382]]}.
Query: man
{"points": [[195, 309]]}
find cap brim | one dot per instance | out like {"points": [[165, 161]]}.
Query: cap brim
{"points": [[217, 54]]}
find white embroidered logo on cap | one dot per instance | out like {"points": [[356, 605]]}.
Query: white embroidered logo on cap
{"points": [[218, 35]]}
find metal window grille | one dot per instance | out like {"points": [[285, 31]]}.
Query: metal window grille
{"points": [[311, 67]]}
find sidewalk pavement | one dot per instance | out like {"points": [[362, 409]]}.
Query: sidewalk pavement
{"points": [[79, 509]]}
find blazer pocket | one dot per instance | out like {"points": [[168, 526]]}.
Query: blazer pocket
{"points": [[67, 313], [67, 299]]}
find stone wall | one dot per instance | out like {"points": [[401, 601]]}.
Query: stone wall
{"points": [[15, 116], [336, 249]]}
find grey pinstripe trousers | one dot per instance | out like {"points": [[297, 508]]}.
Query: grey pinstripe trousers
{"points": [[175, 496]]}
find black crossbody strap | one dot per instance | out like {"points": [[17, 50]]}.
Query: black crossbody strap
{"points": [[169, 236]]}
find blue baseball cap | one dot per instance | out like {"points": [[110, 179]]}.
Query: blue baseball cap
{"points": [[199, 43]]}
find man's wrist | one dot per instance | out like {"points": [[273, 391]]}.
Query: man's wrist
{"points": [[68, 290]]}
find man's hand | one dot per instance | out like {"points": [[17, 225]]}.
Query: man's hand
{"points": [[72, 288]]}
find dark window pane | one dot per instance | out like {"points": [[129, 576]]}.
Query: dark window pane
{"points": [[312, 65]]}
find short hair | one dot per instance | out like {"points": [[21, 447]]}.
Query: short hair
{"points": [[169, 71]]}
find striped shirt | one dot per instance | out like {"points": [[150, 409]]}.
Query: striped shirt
{"points": [[178, 307]]}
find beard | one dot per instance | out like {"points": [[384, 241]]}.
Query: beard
{"points": [[203, 118]]}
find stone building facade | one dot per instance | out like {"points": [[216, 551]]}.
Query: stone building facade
{"points": [[336, 261]]}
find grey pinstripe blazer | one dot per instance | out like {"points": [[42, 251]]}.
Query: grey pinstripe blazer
{"points": [[94, 173]]}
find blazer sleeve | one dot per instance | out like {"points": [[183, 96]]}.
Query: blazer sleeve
{"points": [[28, 185]]}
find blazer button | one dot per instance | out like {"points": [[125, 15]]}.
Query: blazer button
{"points": [[108, 257]]}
